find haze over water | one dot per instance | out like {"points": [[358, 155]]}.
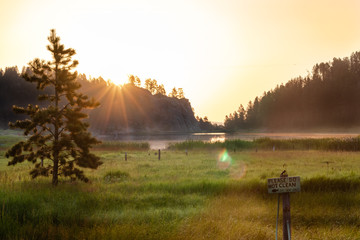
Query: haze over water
{"points": [[161, 141]]}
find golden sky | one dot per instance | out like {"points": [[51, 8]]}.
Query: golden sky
{"points": [[223, 53]]}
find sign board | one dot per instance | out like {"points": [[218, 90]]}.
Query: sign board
{"points": [[284, 184]]}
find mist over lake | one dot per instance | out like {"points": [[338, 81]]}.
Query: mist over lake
{"points": [[162, 140]]}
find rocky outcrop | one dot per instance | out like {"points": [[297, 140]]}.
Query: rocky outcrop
{"points": [[134, 109], [123, 109]]}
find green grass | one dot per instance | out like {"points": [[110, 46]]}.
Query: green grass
{"points": [[8, 140], [141, 198], [323, 144], [181, 196]]}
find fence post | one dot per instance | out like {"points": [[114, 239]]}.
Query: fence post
{"points": [[159, 154], [125, 156]]}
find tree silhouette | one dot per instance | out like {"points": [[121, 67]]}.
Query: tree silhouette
{"points": [[56, 133], [137, 81], [173, 93], [177, 93], [160, 89], [180, 93], [131, 79], [151, 85], [134, 80]]}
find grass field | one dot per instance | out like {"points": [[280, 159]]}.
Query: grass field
{"points": [[194, 196]]}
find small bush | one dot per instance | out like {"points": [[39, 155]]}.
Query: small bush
{"points": [[117, 176]]}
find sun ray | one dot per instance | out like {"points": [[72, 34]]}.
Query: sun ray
{"points": [[136, 104], [109, 105]]}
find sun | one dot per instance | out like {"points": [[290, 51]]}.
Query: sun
{"points": [[108, 74]]}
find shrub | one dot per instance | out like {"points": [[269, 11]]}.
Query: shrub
{"points": [[117, 176]]}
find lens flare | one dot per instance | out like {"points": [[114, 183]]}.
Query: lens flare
{"points": [[224, 159]]}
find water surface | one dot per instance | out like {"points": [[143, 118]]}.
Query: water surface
{"points": [[161, 141]]}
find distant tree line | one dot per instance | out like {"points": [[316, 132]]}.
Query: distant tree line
{"points": [[14, 90], [327, 97], [206, 125], [155, 88]]}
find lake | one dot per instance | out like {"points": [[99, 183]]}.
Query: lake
{"points": [[161, 141]]}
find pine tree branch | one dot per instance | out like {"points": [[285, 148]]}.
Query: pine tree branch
{"points": [[65, 107], [61, 130], [49, 130]]}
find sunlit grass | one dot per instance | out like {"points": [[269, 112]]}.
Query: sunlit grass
{"points": [[141, 198], [326, 207], [184, 196], [322, 144]]}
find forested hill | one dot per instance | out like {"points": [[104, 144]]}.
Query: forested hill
{"points": [[123, 109], [329, 97]]}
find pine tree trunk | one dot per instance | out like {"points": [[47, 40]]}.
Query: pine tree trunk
{"points": [[56, 133], [55, 171]]}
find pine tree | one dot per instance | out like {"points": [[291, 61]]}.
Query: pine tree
{"points": [[57, 138], [173, 93]]}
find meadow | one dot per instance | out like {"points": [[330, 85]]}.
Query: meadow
{"points": [[208, 193]]}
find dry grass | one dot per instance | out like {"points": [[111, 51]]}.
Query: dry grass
{"points": [[327, 207]]}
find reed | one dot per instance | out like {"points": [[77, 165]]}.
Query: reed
{"points": [[323, 144], [118, 145]]}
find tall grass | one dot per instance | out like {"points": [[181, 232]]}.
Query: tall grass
{"points": [[323, 144], [185, 196], [326, 207], [141, 198], [118, 145]]}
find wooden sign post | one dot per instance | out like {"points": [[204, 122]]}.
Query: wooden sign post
{"points": [[284, 185], [286, 213]]}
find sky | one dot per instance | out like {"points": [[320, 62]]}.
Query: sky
{"points": [[223, 53]]}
